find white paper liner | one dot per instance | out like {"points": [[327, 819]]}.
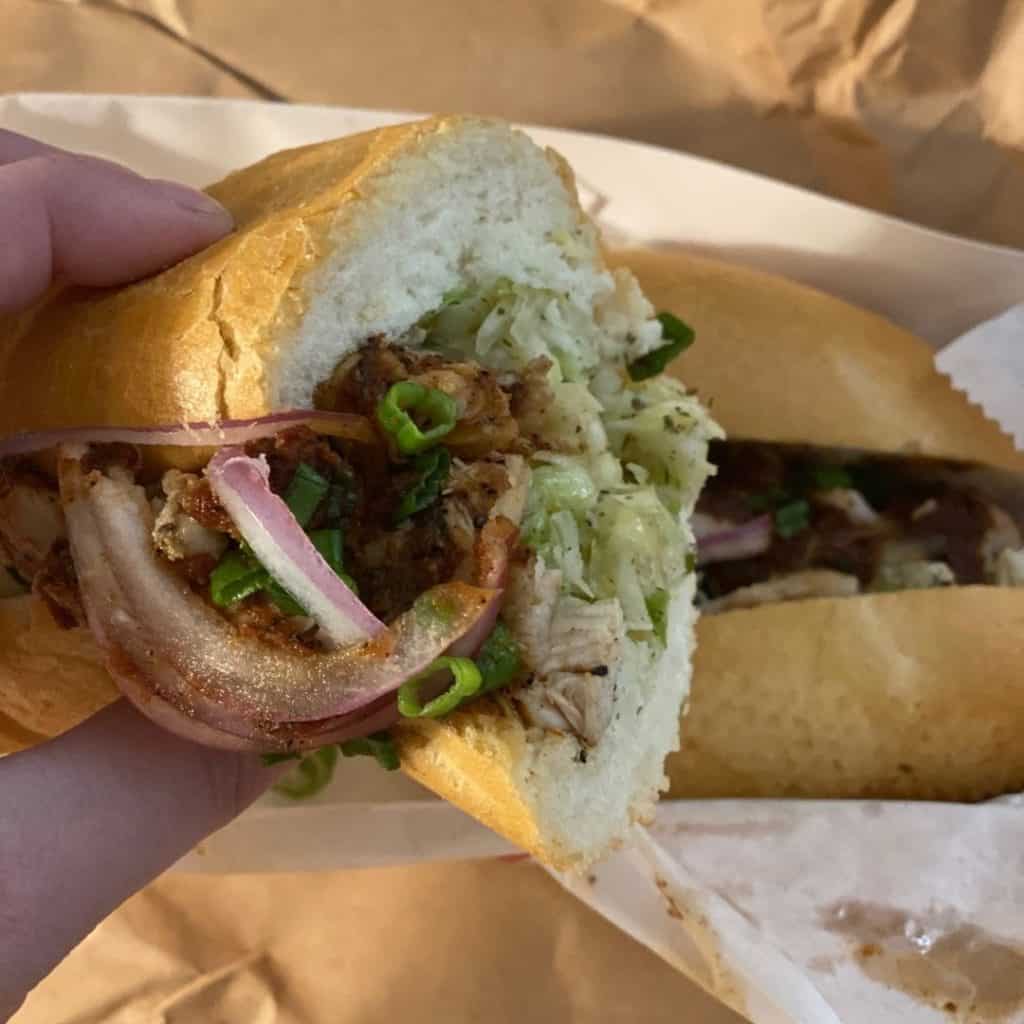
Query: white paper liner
{"points": [[746, 897], [987, 364]]}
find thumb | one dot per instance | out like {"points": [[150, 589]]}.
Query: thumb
{"points": [[90, 222], [89, 818]]}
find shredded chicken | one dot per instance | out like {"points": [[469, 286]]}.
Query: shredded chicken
{"points": [[583, 701], [914, 575], [31, 519], [572, 648], [529, 605], [485, 419], [56, 584], [175, 533], [851, 503], [259, 618], [583, 636], [485, 422], [540, 417], [892, 523], [793, 587]]}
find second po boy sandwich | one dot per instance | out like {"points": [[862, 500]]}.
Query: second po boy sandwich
{"points": [[860, 555]]}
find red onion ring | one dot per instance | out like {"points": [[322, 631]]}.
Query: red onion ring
{"points": [[197, 435], [156, 633], [242, 485], [494, 548], [733, 542]]}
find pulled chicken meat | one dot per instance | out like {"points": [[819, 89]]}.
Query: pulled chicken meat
{"points": [[841, 524]]}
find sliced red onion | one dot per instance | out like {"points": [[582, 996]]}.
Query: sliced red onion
{"points": [[159, 636], [719, 541], [197, 435], [493, 551], [242, 485], [297, 736]]}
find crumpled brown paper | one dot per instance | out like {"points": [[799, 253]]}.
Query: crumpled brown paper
{"points": [[912, 107], [497, 942]]}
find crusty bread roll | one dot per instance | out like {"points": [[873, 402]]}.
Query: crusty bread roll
{"points": [[337, 243], [914, 695], [780, 361], [50, 678]]}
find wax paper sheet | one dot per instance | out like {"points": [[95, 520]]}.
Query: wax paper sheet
{"points": [[787, 912]]}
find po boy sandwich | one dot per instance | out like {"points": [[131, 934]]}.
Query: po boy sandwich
{"points": [[860, 555], [393, 466]]}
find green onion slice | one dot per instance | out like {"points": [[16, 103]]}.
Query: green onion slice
{"points": [[236, 576], [831, 478], [407, 397], [379, 745], [792, 519], [466, 682], [310, 776], [432, 468], [307, 489], [499, 660], [678, 337]]}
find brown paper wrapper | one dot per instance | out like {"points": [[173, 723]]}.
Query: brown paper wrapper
{"points": [[496, 941], [911, 107]]}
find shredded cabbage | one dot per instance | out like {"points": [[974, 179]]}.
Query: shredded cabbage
{"points": [[608, 507]]}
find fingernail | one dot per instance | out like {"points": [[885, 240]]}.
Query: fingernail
{"points": [[192, 200]]}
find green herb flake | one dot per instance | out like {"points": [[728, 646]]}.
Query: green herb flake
{"points": [[310, 776], [830, 478], [768, 500], [679, 337], [307, 489], [236, 576], [394, 413], [466, 682], [271, 759], [499, 660], [657, 609], [792, 518], [379, 745], [432, 469], [341, 499]]}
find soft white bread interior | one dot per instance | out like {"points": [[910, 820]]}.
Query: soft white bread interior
{"points": [[337, 243]]}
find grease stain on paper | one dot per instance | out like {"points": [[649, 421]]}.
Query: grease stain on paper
{"points": [[935, 958], [672, 908]]}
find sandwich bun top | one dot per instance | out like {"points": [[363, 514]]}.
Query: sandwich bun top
{"points": [[779, 361], [334, 243]]}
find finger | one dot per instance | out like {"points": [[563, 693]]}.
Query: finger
{"points": [[93, 223], [20, 147], [91, 817]]}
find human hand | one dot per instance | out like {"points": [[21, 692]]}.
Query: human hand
{"points": [[89, 818]]}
